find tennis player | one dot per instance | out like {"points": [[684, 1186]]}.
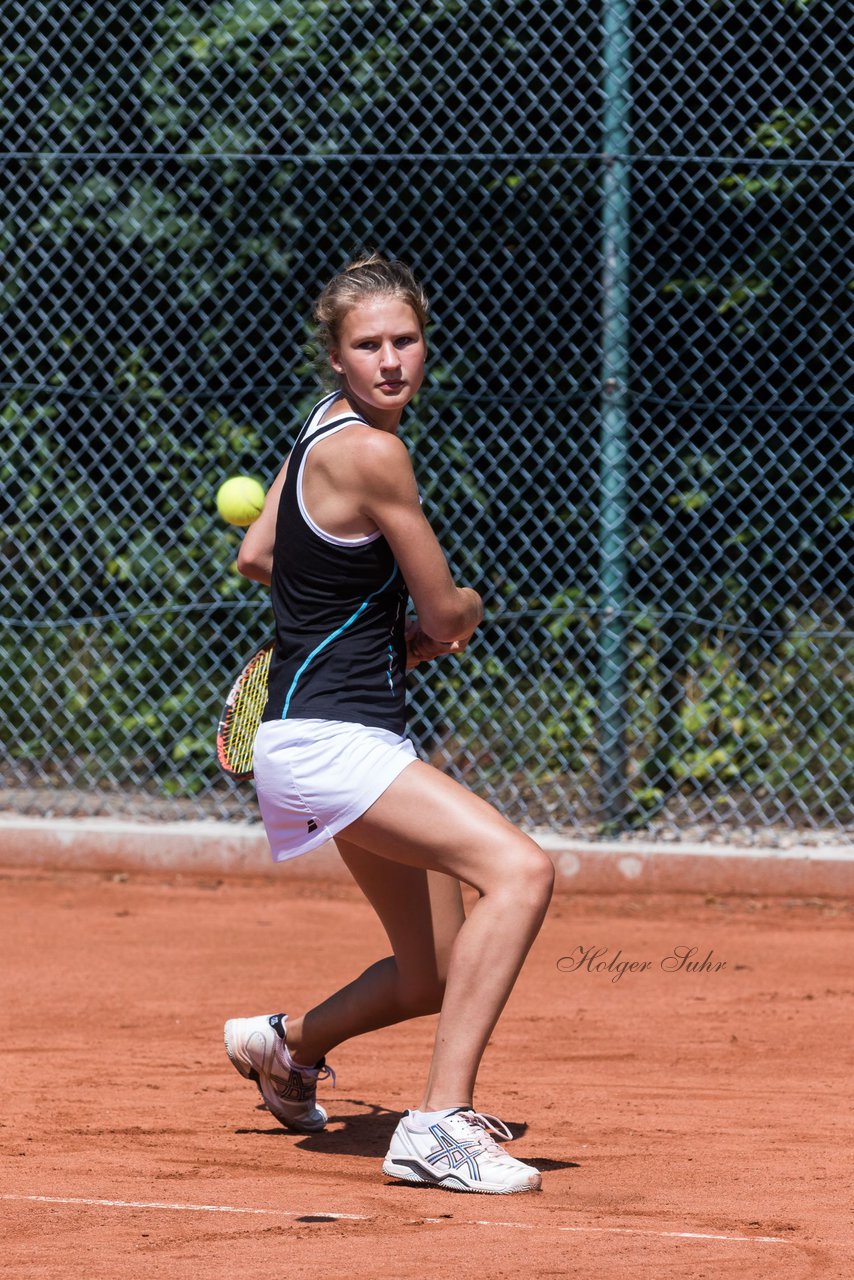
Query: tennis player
{"points": [[342, 541]]}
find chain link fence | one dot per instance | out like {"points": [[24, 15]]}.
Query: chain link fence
{"points": [[635, 438]]}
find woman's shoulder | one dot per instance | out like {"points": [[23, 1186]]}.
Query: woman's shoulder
{"points": [[377, 452], [365, 449], [363, 459]]}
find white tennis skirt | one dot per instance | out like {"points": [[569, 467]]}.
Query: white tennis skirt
{"points": [[314, 777]]}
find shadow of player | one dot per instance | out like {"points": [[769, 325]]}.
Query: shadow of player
{"points": [[367, 1133]]}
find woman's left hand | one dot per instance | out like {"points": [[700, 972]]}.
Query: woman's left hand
{"points": [[422, 648]]}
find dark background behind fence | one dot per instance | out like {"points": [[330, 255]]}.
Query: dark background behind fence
{"points": [[636, 435]]}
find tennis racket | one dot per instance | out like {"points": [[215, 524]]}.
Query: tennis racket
{"points": [[235, 735]]}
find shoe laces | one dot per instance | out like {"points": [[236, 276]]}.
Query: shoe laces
{"points": [[320, 1072], [487, 1125], [324, 1072]]}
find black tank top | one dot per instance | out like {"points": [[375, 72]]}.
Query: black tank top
{"points": [[339, 607]]}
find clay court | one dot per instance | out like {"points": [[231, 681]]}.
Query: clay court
{"points": [[687, 1123]]}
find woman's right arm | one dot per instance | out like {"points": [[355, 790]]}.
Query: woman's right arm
{"points": [[255, 557], [387, 494]]}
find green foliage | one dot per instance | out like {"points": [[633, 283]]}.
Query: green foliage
{"points": [[750, 727], [731, 293]]}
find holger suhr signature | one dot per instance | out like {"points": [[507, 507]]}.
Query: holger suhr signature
{"points": [[681, 959]]}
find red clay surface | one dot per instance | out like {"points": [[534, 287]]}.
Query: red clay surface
{"points": [[686, 1124]]}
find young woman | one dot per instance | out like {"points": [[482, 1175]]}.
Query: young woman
{"points": [[342, 541]]}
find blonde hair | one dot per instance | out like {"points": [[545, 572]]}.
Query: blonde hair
{"points": [[370, 276]]}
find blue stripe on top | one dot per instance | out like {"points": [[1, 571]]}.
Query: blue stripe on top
{"points": [[334, 635]]}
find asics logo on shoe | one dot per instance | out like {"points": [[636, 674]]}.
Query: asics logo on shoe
{"points": [[455, 1151], [297, 1087]]}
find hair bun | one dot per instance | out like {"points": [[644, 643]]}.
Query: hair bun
{"points": [[370, 259]]}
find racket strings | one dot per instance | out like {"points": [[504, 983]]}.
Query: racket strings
{"points": [[243, 715]]}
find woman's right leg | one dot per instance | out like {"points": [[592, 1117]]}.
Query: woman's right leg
{"points": [[425, 819]]}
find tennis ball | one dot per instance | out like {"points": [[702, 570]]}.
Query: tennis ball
{"points": [[240, 500]]}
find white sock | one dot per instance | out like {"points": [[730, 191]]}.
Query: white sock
{"points": [[291, 1062], [426, 1118]]}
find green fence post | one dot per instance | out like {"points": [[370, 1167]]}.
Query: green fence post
{"points": [[614, 411]]}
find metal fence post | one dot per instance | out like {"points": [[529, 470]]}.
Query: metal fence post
{"points": [[614, 410]]}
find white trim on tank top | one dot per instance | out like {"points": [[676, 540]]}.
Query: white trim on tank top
{"points": [[315, 424], [315, 528]]}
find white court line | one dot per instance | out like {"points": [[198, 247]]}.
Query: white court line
{"points": [[364, 1217], [192, 1208], [631, 1231]]}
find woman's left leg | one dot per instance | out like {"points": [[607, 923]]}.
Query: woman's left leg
{"points": [[422, 913]]}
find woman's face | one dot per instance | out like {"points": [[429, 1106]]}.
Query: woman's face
{"points": [[381, 353]]}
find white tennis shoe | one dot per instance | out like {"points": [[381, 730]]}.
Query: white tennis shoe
{"points": [[458, 1153], [256, 1047]]}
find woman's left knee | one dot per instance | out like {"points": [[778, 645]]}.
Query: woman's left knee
{"points": [[422, 995]]}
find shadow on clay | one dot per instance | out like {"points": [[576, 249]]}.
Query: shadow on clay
{"points": [[367, 1133]]}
